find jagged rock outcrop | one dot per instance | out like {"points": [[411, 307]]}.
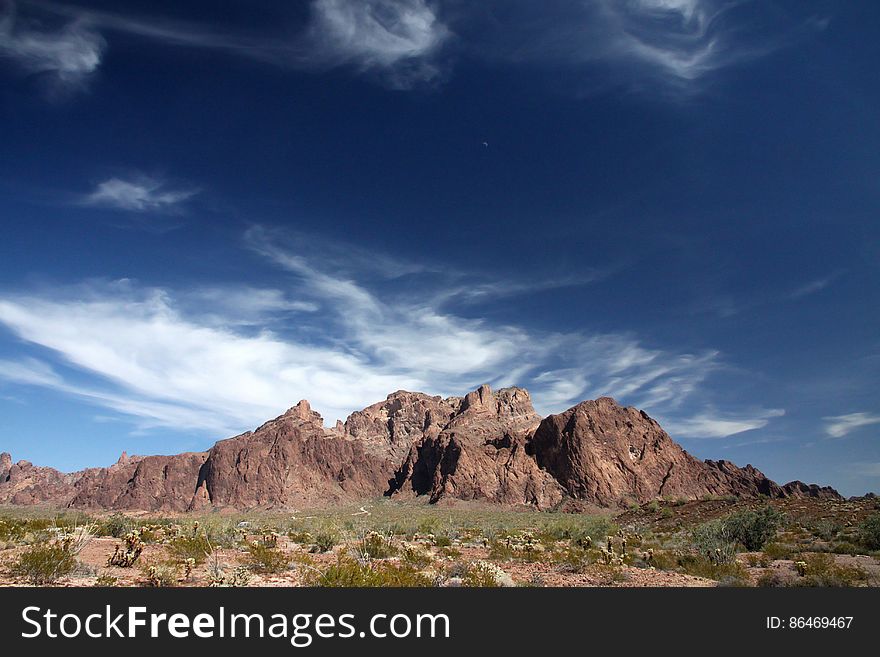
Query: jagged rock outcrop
{"points": [[481, 454], [400, 421], [488, 446], [800, 489], [24, 483], [151, 483], [290, 461], [605, 453]]}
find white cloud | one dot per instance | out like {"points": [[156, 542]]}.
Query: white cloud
{"points": [[814, 286], [29, 371], [226, 359], [838, 426], [669, 47], [140, 195], [711, 425], [70, 54], [397, 37]]}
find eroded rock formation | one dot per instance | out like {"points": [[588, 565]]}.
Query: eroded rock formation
{"points": [[488, 446]]}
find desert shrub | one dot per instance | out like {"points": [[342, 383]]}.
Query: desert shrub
{"points": [[653, 506], [663, 560], [106, 580], [301, 537], [44, 563], [714, 542], [772, 578], [449, 552], [756, 559], [348, 572], [442, 540], [667, 512], [263, 557], [754, 528], [821, 569], [845, 547], [416, 557], [869, 532], [162, 574], [376, 546], [774, 551], [194, 545], [481, 575], [117, 526], [500, 550], [325, 541], [574, 559], [825, 528], [730, 573], [17, 530], [220, 575]]}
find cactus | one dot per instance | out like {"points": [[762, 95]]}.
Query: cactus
{"points": [[125, 558]]}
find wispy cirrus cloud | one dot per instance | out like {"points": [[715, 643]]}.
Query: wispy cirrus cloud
{"points": [[170, 357], [664, 47], [721, 425], [814, 286], [398, 40], [67, 54], [658, 45], [141, 194], [838, 426]]}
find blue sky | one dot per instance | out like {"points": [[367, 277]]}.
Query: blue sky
{"points": [[209, 213]]}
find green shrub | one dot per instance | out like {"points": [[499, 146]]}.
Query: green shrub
{"points": [[376, 546], [416, 557], [775, 551], [348, 572], [574, 559], [190, 546], [163, 574], [44, 563], [714, 542], [442, 541], [16, 530], [821, 569], [117, 526], [869, 532], [753, 529], [325, 541], [480, 575], [266, 558], [730, 573], [106, 580]]}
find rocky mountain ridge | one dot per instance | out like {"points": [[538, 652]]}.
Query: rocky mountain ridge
{"points": [[488, 446]]}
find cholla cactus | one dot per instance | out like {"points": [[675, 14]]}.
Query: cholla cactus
{"points": [[188, 567], [133, 546], [801, 568]]}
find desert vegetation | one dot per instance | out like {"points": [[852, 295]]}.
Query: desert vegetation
{"points": [[711, 542]]}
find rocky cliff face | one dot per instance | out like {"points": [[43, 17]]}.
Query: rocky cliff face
{"points": [[292, 461], [481, 454], [605, 453], [488, 446]]}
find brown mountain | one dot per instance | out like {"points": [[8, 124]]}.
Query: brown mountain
{"points": [[487, 445]]}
